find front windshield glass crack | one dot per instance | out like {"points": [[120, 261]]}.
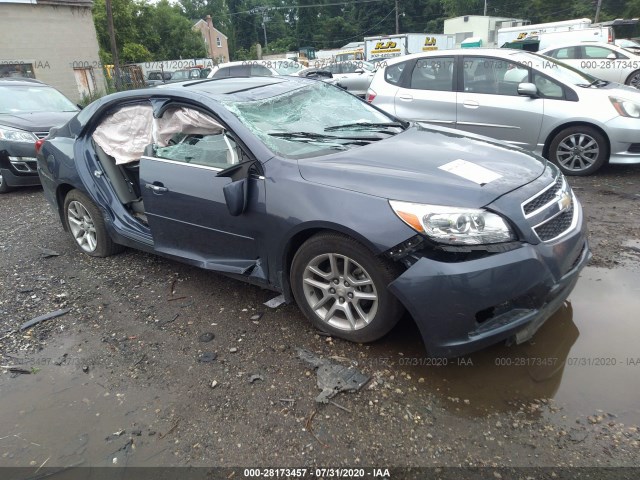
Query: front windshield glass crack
{"points": [[293, 124]]}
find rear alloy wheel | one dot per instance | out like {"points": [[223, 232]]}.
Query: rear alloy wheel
{"points": [[634, 79], [342, 288], [86, 224], [580, 150]]}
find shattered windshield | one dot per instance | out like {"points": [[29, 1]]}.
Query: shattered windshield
{"points": [[317, 119]]}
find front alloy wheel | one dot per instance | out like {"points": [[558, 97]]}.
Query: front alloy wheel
{"points": [[341, 287], [4, 188], [579, 150], [340, 291]]}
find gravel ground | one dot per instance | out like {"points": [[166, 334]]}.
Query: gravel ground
{"points": [[159, 363]]}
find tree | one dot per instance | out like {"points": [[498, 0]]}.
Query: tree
{"points": [[148, 32], [135, 53]]}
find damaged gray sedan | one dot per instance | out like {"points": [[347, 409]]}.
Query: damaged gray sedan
{"points": [[296, 186]]}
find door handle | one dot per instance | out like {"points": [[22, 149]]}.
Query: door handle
{"points": [[156, 188], [470, 104], [405, 97]]}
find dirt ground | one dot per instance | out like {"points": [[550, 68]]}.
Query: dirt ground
{"points": [[158, 363]]}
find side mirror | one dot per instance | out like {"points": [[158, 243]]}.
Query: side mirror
{"points": [[236, 193], [612, 56], [527, 90], [236, 196], [360, 70]]}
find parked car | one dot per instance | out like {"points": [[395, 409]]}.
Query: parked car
{"points": [[28, 110], [157, 77], [353, 75], [253, 68], [189, 74], [529, 100], [297, 186], [601, 60], [628, 44]]}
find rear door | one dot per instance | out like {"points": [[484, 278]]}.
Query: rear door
{"points": [[356, 83], [427, 93], [601, 61], [489, 104], [593, 59], [185, 205]]}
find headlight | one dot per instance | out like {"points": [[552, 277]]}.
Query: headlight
{"points": [[625, 108], [14, 135], [454, 225]]}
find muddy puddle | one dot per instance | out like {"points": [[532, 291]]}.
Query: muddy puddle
{"points": [[586, 358], [61, 416]]}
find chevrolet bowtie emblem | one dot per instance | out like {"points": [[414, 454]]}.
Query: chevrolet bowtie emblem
{"points": [[565, 201]]}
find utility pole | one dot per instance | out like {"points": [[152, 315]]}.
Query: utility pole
{"points": [[485, 8], [397, 19], [114, 48], [264, 29], [598, 11], [265, 18]]}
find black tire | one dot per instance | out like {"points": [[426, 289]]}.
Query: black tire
{"points": [[103, 246], [382, 313], [633, 80], [565, 150], [4, 188]]}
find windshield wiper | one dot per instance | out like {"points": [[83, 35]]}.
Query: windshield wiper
{"points": [[367, 126], [319, 137]]}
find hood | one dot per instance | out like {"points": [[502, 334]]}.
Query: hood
{"points": [[406, 167], [36, 121], [613, 88]]}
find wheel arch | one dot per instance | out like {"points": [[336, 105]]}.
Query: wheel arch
{"points": [[626, 81], [303, 233], [559, 128], [61, 193]]}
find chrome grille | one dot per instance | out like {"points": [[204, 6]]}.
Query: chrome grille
{"points": [[556, 226], [545, 197], [551, 211]]}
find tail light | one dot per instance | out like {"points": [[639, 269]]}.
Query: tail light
{"points": [[39, 145], [610, 30], [371, 95]]}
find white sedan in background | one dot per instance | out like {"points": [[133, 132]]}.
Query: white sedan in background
{"points": [[601, 60], [255, 68], [352, 75]]}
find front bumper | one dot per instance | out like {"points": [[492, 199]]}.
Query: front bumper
{"points": [[624, 133], [465, 306], [24, 173]]}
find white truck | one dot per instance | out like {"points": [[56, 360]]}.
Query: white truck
{"points": [[555, 33], [389, 46]]}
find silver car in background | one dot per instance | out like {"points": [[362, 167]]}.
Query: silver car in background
{"points": [[255, 68], [602, 60], [352, 75], [528, 100]]}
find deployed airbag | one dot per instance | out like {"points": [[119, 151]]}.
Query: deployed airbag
{"points": [[125, 134]]}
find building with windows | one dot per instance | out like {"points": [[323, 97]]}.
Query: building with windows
{"points": [[484, 28], [216, 41], [53, 41]]}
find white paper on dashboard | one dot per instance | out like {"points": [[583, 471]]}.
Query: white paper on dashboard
{"points": [[470, 171]]}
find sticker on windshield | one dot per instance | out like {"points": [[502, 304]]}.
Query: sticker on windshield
{"points": [[470, 171]]}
